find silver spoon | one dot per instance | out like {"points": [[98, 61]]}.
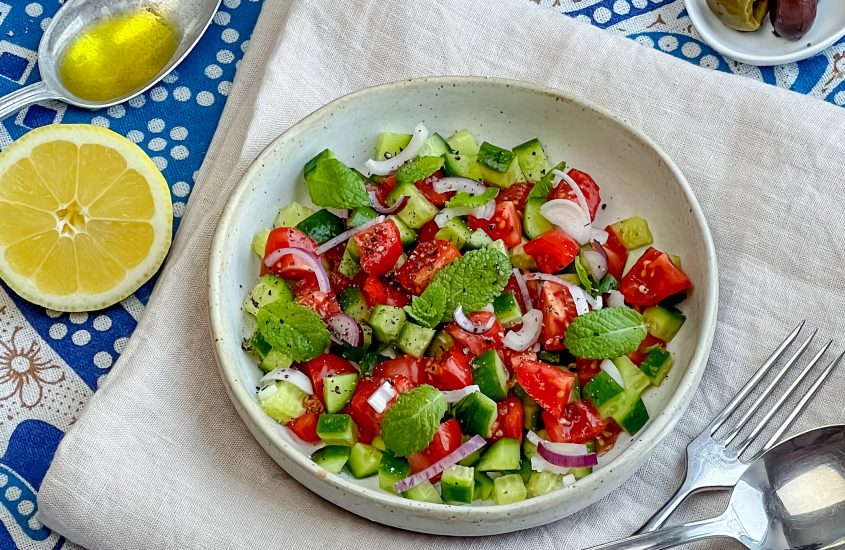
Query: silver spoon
{"points": [[191, 17], [791, 497]]}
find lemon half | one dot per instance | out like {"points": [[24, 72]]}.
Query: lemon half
{"points": [[85, 217]]}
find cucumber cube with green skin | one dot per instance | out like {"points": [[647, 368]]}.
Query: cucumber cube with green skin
{"points": [[378, 443], [521, 259], [363, 461], [464, 142], [503, 456], [361, 215], [542, 483], [457, 485], [424, 492], [601, 389], [581, 472], [332, 458], [635, 419], [525, 469], [418, 211], [338, 390], [291, 215], [259, 242], [462, 165], [656, 365], [530, 413], [321, 226], [633, 377], [441, 343], [353, 303], [284, 403], [275, 360], [348, 266], [407, 235], [483, 485], [387, 322], [456, 232], [337, 429], [662, 322], [392, 470], [499, 246], [267, 290], [533, 221], [627, 409], [369, 361], [478, 239], [508, 489], [499, 167], [471, 460], [491, 375], [389, 144], [434, 146], [675, 260], [476, 414], [414, 339], [532, 160], [507, 310], [633, 232]]}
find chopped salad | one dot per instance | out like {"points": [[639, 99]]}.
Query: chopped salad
{"points": [[453, 321]]}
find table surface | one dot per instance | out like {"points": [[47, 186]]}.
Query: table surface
{"points": [[51, 363]]}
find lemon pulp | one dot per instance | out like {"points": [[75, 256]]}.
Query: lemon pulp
{"points": [[118, 55]]}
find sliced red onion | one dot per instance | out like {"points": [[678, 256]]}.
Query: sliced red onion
{"points": [[579, 195], [345, 329], [484, 212], [563, 455], [583, 301], [615, 299], [447, 185], [475, 443], [596, 260], [573, 220], [611, 369], [380, 398], [523, 288], [295, 377], [384, 209], [342, 213], [346, 235], [524, 338], [385, 167], [468, 325], [453, 396], [539, 464], [307, 258]]}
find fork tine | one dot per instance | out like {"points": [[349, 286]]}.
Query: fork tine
{"points": [[769, 389], [750, 385], [800, 406], [783, 398]]}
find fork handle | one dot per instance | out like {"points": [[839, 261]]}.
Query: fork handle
{"points": [[659, 518], [673, 536]]}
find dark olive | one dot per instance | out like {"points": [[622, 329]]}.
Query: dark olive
{"points": [[792, 18]]}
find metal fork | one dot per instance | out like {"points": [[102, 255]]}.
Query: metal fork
{"points": [[710, 463]]}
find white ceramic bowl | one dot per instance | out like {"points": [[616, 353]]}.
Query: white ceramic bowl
{"points": [[762, 47], [635, 176]]}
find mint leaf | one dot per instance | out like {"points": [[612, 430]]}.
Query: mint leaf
{"points": [[429, 307], [410, 424], [541, 188], [418, 169], [607, 284], [463, 199], [332, 184], [605, 333], [293, 330]]}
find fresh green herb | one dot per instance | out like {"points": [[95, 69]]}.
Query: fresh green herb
{"points": [[541, 188], [410, 424], [332, 184], [429, 307], [293, 330], [583, 277], [494, 157], [418, 169], [369, 362], [607, 284], [605, 333], [465, 200]]}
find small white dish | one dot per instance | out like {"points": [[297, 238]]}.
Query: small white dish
{"points": [[762, 47]]}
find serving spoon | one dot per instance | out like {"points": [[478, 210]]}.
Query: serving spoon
{"points": [[793, 496], [190, 17]]}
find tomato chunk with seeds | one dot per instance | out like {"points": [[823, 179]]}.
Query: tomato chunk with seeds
{"points": [[423, 264], [380, 247], [289, 266], [580, 422], [586, 184], [446, 440], [549, 386], [450, 371], [553, 250], [505, 224], [559, 310], [653, 278], [509, 420]]}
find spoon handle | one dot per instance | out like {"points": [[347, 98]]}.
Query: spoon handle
{"points": [[26, 96], [673, 536]]}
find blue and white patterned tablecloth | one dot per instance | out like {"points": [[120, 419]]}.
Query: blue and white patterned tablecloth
{"points": [[51, 363]]}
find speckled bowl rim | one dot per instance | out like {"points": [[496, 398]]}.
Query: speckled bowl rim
{"points": [[639, 448]]}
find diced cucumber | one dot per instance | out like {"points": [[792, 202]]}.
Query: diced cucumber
{"points": [[439, 344], [407, 235], [457, 485], [509, 489], [542, 483], [601, 389], [456, 232], [414, 339], [664, 323], [634, 379], [633, 232], [483, 485], [521, 259], [476, 414], [532, 160], [267, 290], [291, 215], [361, 215], [259, 242], [282, 401], [391, 470], [627, 409], [352, 248], [675, 260], [635, 419], [463, 142], [462, 165], [525, 469], [268, 358], [311, 165], [418, 169], [479, 239], [363, 461], [551, 357], [499, 167], [378, 443], [581, 472], [418, 211], [506, 308], [499, 246], [502, 456], [533, 221], [389, 144], [472, 459], [424, 492], [656, 365], [530, 413], [338, 390], [321, 226], [353, 303], [337, 429], [332, 458], [434, 146], [369, 361], [491, 375], [387, 322]]}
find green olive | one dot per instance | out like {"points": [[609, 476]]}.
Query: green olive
{"points": [[740, 15]]}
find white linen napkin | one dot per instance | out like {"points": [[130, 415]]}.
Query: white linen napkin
{"points": [[159, 459]]}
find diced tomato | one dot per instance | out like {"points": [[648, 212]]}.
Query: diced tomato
{"points": [[365, 417], [380, 247], [427, 232], [617, 254], [505, 224], [305, 427], [553, 250], [323, 304], [327, 364], [412, 368], [579, 423], [587, 369], [426, 187], [509, 421], [289, 266], [588, 188], [383, 189], [517, 194], [377, 291], [559, 310], [607, 439], [451, 371], [653, 278], [446, 440], [424, 262], [512, 359], [477, 344], [549, 386], [650, 341], [388, 182]]}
